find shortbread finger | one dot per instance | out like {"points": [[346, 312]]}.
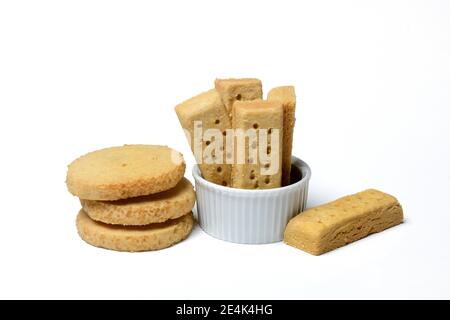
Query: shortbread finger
{"points": [[243, 89], [286, 95], [257, 159], [197, 115], [335, 224]]}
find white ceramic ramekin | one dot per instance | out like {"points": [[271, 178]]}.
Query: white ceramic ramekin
{"points": [[250, 216]]}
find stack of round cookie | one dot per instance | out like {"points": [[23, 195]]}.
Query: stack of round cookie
{"points": [[134, 197]]}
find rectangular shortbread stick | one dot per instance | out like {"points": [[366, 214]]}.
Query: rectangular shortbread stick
{"points": [[259, 172], [345, 220], [208, 109], [286, 95], [243, 89]]}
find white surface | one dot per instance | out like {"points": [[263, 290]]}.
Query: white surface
{"points": [[250, 216], [372, 78]]}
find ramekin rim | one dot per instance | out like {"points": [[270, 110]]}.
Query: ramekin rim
{"points": [[300, 164]]}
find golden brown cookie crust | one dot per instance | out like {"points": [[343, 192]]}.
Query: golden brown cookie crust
{"points": [[134, 238], [155, 208], [125, 172]]}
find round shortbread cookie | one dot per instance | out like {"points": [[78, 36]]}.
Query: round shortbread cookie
{"points": [[125, 172], [143, 210], [134, 238]]}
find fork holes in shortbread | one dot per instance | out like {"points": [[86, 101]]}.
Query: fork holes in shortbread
{"points": [[207, 142], [255, 126], [267, 180], [219, 169], [252, 176], [238, 97], [217, 121], [269, 149]]}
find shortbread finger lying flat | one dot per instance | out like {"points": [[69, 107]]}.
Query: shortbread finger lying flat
{"points": [[243, 89], [155, 208], [206, 111], [286, 95], [134, 238], [255, 171], [335, 224]]}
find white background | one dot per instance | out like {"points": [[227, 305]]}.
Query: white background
{"points": [[373, 86]]}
